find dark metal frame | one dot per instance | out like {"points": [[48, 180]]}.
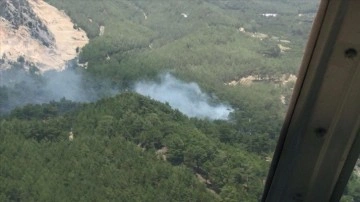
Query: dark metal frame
{"points": [[319, 142]]}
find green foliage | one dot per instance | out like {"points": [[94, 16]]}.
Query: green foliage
{"points": [[44, 111], [352, 191], [114, 154], [207, 42], [142, 39]]}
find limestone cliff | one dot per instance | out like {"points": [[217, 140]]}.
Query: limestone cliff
{"points": [[39, 33], [19, 13]]}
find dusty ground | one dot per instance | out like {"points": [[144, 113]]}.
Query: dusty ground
{"points": [[283, 49], [262, 36], [15, 43], [247, 81]]}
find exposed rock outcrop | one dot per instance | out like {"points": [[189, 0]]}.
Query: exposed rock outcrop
{"points": [[39, 34], [19, 13]]}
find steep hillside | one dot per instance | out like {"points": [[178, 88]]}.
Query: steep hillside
{"points": [[117, 145], [126, 148], [39, 34], [211, 43]]}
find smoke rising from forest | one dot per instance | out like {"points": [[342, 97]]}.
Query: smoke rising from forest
{"points": [[186, 97], [18, 87]]}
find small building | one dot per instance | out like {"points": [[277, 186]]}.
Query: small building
{"points": [[269, 15]]}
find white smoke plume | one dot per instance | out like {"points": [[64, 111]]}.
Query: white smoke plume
{"points": [[186, 97], [18, 87]]}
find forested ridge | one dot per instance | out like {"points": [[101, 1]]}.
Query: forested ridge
{"points": [[128, 147], [116, 155]]}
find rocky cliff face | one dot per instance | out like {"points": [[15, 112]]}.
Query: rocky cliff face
{"points": [[38, 34], [19, 13]]}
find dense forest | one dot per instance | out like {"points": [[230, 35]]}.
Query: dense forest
{"points": [[126, 148], [129, 147]]}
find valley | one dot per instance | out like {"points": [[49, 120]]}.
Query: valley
{"points": [[123, 100]]}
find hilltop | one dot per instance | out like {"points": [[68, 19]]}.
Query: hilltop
{"points": [[109, 143]]}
